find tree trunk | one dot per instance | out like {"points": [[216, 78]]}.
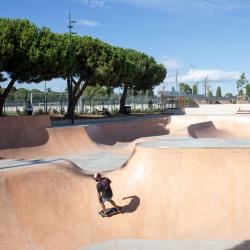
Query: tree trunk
{"points": [[123, 99], [69, 109], [2, 101], [78, 94], [5, 95], [73, 98]]}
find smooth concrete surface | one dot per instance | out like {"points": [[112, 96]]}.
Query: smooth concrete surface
{"points": [[216, 109], [134, 244], [46, 203], [90, 163], [201, 143], [222, 126], [15, 163], [43, 141], [85, 122], [99, 162], [191, 193]]}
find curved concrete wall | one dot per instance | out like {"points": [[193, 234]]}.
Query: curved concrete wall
{"points": [[165, 194], [32, 137]]}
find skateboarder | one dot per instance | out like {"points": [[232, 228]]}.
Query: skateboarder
{"points": [[104, 191]]}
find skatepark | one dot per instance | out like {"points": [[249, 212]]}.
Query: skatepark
{"points": [[182, 182]]}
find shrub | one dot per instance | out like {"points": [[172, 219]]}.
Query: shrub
{"points": [[40, 111], [55, 111], [150, 105], [62, 111], [19, 112]]}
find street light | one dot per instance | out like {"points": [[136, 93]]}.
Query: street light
{"points": [[45, 97], [70, 26]]}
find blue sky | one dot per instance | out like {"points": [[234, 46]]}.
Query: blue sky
{"points": [[198, 38]]}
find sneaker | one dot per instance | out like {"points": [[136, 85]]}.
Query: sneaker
{"points": [[119, 209], [104, 212]]}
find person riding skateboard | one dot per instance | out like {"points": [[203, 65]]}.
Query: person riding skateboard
{"points": [[104, 191]]}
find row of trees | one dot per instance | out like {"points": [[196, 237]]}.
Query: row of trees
{"points": [[31, 54], [22, 95], [242, 84], [185, 88]]}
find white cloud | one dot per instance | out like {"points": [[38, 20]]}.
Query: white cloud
{"points": [[88, 23], [212, 74], [225, 5], [171, 63], [203, 6], [93, 3], [149, 3]]}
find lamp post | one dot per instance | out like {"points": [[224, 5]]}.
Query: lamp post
{"points": [[45, 96], [176, 81], [70, 26]]}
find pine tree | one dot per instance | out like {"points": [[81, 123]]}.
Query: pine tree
{"points": [[218, 92]]}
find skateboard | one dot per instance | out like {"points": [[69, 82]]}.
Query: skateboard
{"points": [[109, 212]]}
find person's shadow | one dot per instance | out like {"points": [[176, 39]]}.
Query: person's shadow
{"points": [[132, 205], [245, 245]]}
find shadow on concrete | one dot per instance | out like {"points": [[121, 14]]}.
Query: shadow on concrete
{"points": [[129, 208], [206, 130], [202, 126], [132, 205], [20, 138], [245, 245], [128, 131]]}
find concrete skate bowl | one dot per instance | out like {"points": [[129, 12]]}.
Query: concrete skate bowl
{"points": [[32, 137], [210, 126], [176, 188], [23, 131], [206, 130], [111, 133], [170, 192]]}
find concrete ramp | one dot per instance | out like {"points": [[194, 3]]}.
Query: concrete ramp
{"points": [[33, 137], [23, 131], [210, 126], [171, 188], [166, 193], [128, 131], [207, 130], [59, 141]]}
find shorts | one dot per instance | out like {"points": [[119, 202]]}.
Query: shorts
{"points": [[104, 198]]}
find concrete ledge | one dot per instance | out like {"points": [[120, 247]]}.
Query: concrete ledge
{"points": [[124, 244], [200, 143]]}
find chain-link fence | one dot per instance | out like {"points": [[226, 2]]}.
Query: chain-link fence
{"points": [[58, 103]]}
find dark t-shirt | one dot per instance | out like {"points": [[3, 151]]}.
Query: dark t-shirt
{"points": [[106, 192]]}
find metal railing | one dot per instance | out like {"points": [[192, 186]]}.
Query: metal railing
{"points": [[58, 103]]}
